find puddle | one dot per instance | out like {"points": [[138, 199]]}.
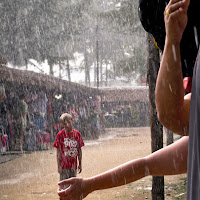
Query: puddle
{"points": [[17, 179]]}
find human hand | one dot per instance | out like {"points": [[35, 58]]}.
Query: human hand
{"points": [[176, 19], [76, 191]]}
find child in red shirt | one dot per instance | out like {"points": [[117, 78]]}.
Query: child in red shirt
{"points": [[68, 143]]}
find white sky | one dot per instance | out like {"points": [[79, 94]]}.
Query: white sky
{"points": [[76, 74]]}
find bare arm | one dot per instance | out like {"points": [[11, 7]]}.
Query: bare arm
{"points": [[80, 160], [59, 160], [172, 107], [159, 163]]}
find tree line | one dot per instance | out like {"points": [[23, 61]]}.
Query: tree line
{"points": [[107, 33]]}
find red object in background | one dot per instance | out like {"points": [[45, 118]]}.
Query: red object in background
{"points": [[74, 114], [187, 84], [43, 138], [3, 139], [143, 81], [46, 137], [50, 106], [56, 127]]}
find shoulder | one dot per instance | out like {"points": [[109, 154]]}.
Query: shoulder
{"points": [[23, 103], [61, 132], [77, 133]]}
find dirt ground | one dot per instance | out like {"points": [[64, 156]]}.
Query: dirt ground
{"points": [[33, 176]]}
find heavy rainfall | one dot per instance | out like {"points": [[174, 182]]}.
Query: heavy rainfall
{"points": [[95, 61]]}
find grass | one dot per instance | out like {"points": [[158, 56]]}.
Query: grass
{"points": [[179, 190]]}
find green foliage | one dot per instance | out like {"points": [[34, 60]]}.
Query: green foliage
{"points": [[38, 29], [53, 30], [178, 189], [132, 66], [127, 38]]}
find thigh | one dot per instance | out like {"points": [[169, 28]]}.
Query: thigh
{"points": [[65, 174], [73, 173], [22, 130]]}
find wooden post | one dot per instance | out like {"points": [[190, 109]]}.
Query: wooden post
{"points": [[156, 127]]}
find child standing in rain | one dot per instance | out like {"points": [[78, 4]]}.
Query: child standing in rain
{"points": [[68, 143]]}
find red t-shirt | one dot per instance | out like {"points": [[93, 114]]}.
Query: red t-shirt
{"points": [[69, 143]]}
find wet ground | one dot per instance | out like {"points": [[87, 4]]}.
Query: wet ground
{"points": [[33, 175], [8, 156]]}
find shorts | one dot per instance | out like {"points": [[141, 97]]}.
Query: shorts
{"points": [[65, 174], [20, 129]]}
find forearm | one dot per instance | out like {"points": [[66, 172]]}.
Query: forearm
{"points": [[121, 175], [169, 85], [172, 109], [169, 93], [58, 161], [170, 160], [58, 158], [80, 157]]}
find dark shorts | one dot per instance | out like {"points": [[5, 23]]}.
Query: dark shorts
{"points": [[65, 174], [20, 129]]}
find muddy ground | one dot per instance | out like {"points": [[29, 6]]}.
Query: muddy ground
{"points": [[34, 175]]}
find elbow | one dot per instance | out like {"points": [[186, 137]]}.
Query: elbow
{"points": [[161, 113], [165, 114], [162, 118], [167, 119], [172, 120], [160, 109]]}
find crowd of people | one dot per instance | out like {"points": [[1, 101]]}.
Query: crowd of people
{"points": [[29, 116], [22, 112]]}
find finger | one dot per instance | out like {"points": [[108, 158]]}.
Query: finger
{"points": [[62, 193], [64, 196], [177, 4], [186, 3], [175, 1], [171, 8], [65, 182], [171, 2], [175, 13]]}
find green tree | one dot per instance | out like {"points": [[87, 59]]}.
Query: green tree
{"points": [[124, 39], [39, 29], [54, 30]]}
